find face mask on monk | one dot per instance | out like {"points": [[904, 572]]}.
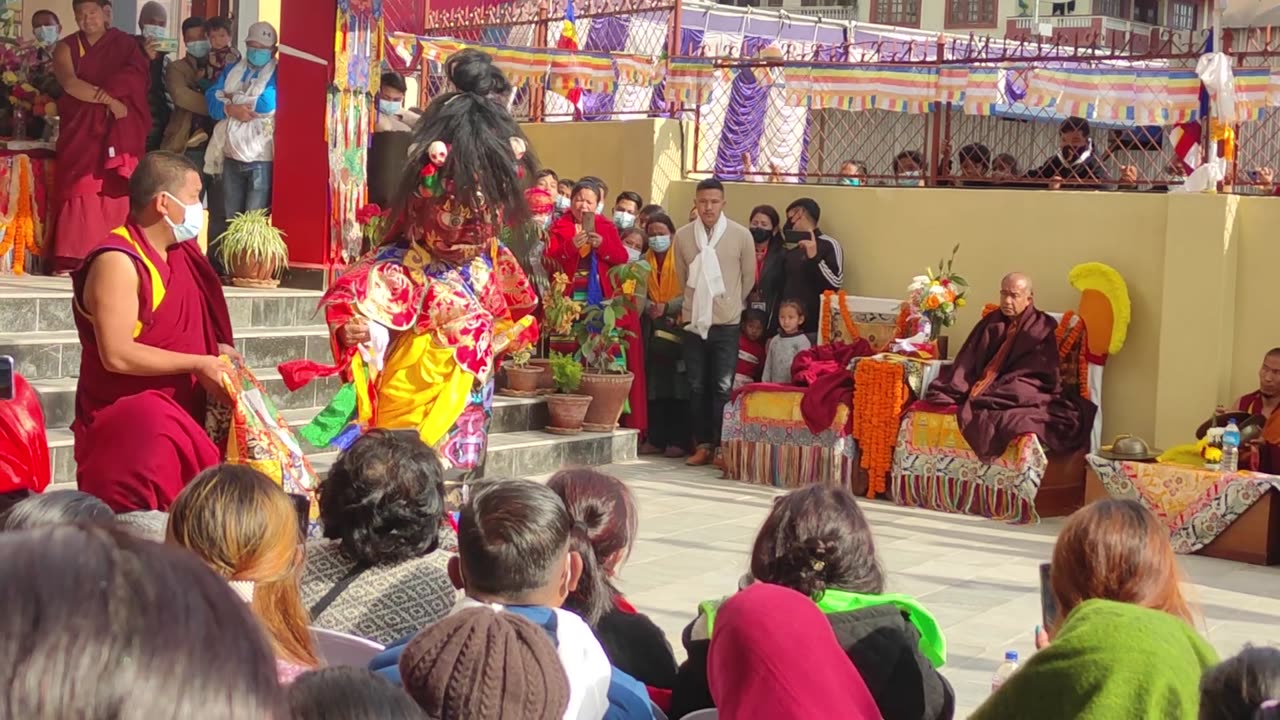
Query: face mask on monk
{"points": [[192, 220]]}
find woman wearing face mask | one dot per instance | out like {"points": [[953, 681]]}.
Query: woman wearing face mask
{"points": [[668, 389], [585, 246], [766, 231]]}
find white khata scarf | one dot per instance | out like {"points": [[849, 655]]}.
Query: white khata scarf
{"points": [[704, 273]]}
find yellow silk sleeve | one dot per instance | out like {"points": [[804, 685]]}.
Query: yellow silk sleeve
{"points": [[422, 386]]}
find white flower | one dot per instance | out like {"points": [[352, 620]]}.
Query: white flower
{"points": [[918, 283], [937, 290]]}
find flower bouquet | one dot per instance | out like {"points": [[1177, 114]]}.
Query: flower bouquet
{"points": [[931, 305]]}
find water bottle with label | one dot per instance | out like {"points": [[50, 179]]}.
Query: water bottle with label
{"points": [[1006, 669], [1230, 448]]}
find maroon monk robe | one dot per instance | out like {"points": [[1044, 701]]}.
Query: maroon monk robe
{"points": [[1023, 394], [139, 440], [97, 153]]}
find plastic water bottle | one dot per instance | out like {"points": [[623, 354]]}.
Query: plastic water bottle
{"points": [[1230, 449], [1006, 669]]}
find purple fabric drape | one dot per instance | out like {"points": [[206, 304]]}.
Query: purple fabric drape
{"points": [[744, 117]]}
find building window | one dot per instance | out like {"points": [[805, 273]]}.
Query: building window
{"points": [[1064, 8], [1183, 15], [1146, 11], [904, 13], [971, 13], [1112, 8]]}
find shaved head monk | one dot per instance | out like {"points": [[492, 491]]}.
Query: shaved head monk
{"points": [[152, 322], [1005, 381], [1264, 456]]}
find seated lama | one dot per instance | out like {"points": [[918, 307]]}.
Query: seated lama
{"points": [[1005, 380]]}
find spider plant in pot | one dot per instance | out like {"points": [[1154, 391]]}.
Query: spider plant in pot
{"points": [[602, 340], [522, 378], [566, 410], [253, 250]]}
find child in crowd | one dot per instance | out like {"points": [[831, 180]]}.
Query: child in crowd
{"points": [[63, 507], [750, 349], [223, 54], [634, 239], [789, 342], [564, 195], [347, 693], [532, 578], [481, 653], [1245, 687]]}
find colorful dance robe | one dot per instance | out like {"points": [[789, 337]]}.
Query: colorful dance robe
{"points": [[447, 324]]}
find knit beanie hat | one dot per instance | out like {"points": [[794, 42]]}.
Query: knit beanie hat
{"points": [[483, 664]]}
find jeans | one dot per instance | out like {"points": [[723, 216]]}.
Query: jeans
{"points": [[247, 186], [710, 364]]}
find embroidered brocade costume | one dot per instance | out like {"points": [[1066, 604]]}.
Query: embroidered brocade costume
{"points": [[450, 311]]}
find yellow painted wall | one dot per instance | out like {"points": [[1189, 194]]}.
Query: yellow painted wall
{"points": [[269, 11], [1196, 265]]}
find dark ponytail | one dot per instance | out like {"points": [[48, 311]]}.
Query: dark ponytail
{"points": [[593, 597]]}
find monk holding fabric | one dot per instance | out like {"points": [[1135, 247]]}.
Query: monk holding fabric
{"points": [[152, 322], [104, 124], [1264, 456], [1006, 381]]}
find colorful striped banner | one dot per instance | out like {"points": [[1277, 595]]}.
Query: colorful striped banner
{"points": [[1139, 96], [1253, 93], [689, 80], [636, 70], [580, 70], [981, 91]]}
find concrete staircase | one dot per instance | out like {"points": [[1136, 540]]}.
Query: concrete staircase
{"points": [[271, 326]]}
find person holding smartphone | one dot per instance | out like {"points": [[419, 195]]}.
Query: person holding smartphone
{"points": [[814, 262]]}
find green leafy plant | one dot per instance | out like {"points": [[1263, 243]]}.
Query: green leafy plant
{"points": [[566, 372], [251, 239], [596, 330]]}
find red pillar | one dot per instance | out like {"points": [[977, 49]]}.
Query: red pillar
{"points": [[300, 189]]}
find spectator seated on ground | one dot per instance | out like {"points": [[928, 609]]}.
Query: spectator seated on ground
{"points": [[816, 541], [24, 448], [775, 657], [514, 554], [245, 528], [1246, 687], [605, 525], [63, 507], [347, 693], [383, 572], [99, 625], [771, 434], [1002, 432], [1123, 644], [485, 664]]}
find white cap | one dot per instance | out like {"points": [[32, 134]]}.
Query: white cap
{"points": [[262, 33]]}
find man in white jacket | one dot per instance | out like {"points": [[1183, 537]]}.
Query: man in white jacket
{"points": [[243, 102]]}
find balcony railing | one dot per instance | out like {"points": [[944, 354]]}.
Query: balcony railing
{"points": [[834, 13], [1102, 29]]}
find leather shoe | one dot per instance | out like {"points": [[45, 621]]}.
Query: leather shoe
{"points": [[701, 458]]}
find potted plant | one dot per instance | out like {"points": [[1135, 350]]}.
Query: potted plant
{"points": [[253, 250], [559, 311], [601, 340], [522, 379], [565, 409]]}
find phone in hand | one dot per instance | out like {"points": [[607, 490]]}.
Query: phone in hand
{"points": [[588, 222], [6, 378], [302, 506], [796, 236], [1048, 605]]}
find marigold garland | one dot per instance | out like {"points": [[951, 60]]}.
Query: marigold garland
{"points": [[20, 231], [850, 329], [1068, 339], [880, 397]]}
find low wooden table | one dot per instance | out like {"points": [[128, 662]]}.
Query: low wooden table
{"points": [[1254, 536]]}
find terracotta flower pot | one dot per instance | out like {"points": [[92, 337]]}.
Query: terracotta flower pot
{"points": [[546, 381], [522, 379], [566, 413], [608, 393], [252, 274]]}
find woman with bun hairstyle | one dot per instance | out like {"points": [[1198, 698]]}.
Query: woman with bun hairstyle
{"points": [[419, 321], [605, 525], [817, 542]]}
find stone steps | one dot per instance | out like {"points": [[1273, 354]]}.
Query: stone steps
{"points": [[272, 326]]}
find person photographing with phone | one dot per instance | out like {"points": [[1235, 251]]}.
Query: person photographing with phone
{"points": [[814, 261], [153, 324]]}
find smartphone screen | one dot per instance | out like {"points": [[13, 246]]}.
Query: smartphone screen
{"points": [[6, 377], [1048, 606], [302, 506], [589, 222], [795, 236]]}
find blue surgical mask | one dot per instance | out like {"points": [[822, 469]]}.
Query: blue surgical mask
{"points": [[192, 221], [48, 34], [600, 208], [562, 203], [660, 243], [153, 32], [852, 182], [633, 254], [199, 49], [623, 219], [910, 178], [390, 107], [257, 57]]}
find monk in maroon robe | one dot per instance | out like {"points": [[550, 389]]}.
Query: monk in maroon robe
{"points": [[102, 135], [1263, 454], [152, 322], [1005, 381]]}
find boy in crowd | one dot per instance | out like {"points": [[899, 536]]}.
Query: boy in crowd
{"points": [[514, 556]]}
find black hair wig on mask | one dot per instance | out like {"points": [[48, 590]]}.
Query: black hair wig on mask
{"points": [[474, 123]]}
